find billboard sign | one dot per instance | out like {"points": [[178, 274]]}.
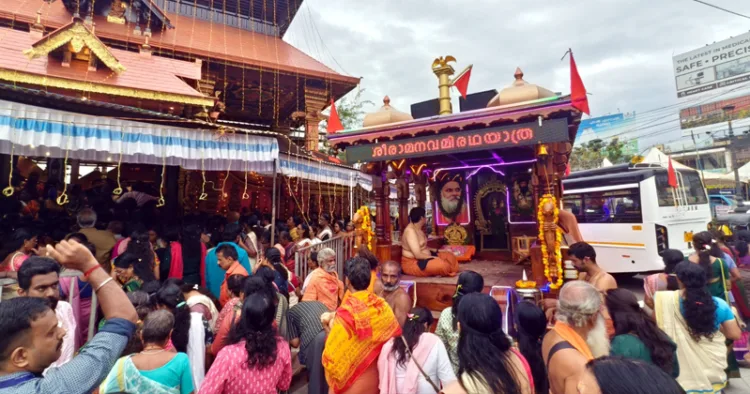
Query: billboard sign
{"points": [[713, 113], [607, 127], [714, 66]]}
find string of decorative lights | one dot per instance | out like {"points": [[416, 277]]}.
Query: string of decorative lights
{"points": [[118, 190], [62, 199]]}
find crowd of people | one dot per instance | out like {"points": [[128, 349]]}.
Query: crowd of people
{"points": [[212, 306]]}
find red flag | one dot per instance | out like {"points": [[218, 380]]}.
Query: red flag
{"points": [[567, 169], [462, 82], [671, 175], [577, 90], [334, 122]]}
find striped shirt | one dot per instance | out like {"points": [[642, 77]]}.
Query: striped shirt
{"points": [[304, 322], [84, 372]]}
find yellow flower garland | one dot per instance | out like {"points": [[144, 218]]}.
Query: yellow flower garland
{"points": [[364, 213], [558, 241]]}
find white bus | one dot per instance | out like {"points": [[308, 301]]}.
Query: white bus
{"points": [[630, 214]]}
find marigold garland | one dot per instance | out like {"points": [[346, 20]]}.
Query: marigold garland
{"points": [[558, 240], [364, 213]]}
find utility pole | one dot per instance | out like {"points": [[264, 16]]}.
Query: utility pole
{"points": [[698, 157], [737, 185]]}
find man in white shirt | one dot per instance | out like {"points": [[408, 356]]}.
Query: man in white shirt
{"points": [[325, 224], [39, 277]]}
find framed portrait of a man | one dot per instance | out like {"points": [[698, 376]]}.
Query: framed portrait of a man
{"points": [[522, 199], [451, 199]]}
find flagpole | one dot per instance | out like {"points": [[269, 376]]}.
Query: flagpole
{"points": [[569, 51], [461, 74]]}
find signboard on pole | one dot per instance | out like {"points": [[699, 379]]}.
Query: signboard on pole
{"points": [[714, 66], [714, 112], [620, 126]]}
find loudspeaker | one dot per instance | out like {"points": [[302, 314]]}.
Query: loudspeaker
{"points": [[476, 100], [425, 109]]}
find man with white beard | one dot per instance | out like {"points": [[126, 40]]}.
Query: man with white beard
{"points": [[579, 335], [452, 204], [394, 295]]}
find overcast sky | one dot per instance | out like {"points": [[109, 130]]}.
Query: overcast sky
{"points": [[623, 48]]}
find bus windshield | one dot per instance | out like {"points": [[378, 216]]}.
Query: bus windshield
{"points": [[691, 186]]}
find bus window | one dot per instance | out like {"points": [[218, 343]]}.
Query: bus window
{"points": [[691, 185], [573, 203], [617, 206]]}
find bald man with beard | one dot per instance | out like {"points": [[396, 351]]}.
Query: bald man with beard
{"points": [[579, 335], [394, 295]]}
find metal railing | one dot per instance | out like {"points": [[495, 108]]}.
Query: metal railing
{"points": [[342, 245]]}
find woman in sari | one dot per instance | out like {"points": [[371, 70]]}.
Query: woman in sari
{"points": [[139, 245], [698, 323], [447, 327], [19, 247], [191, 332], [636, 333], [131, 272], [153, 370], [400, 368], [708, 255], [662, 281], [201, 300], [487, 363]]}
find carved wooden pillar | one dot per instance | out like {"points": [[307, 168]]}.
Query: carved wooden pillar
{"points": [[382, 214], [549, 167], [315, 101]]}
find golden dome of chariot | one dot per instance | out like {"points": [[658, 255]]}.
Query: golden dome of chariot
{"points": [[386, 115], [518, 92]]}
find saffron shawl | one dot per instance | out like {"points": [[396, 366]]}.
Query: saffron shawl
{"points": [[363, 324], [567, 333]]}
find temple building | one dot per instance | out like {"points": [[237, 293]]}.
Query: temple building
{"points": [[488, 176], [206, 93]]}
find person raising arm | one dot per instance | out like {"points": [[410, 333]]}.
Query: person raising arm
{"points": [[33, 337]]}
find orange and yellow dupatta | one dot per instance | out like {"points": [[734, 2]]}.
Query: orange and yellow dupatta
{"points": [[364, 323]]}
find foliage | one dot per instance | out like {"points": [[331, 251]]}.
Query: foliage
{"points": [[351, 110], [591, 154]]}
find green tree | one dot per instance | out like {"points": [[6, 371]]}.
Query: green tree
{"points": [[351, 110], [591, 154]]}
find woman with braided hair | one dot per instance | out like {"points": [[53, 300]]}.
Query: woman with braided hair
{"points": [[487, 363], [447, 327], [698, 323]]}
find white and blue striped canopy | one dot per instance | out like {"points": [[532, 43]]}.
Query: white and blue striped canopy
{"points": [[38, 131]]}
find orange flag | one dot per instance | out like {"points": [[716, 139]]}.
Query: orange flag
{"points": [[334, 122], [462, 82], [577, 90], [671, 175]]}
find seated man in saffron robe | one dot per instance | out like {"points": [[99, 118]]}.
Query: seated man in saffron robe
{"points": [[362, 325], [416, 258]]}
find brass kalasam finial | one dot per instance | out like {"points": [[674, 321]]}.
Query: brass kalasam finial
{"points": [[387, 101], [518, 74]]}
